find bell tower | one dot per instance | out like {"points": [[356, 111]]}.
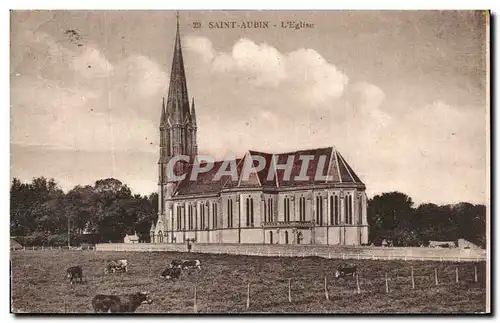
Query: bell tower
{"points": [[177, 136]]}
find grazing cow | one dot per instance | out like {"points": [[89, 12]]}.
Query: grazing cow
{"points": [[186, 264], [114, 266], [191, 264], [120, 303], [171, 272], [345, 271], [176, 264], [75, 273]]}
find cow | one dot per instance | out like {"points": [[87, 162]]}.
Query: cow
{"points": [[119, 265], [171, 272], [120, 303], [75, 273], [176, 264], [186, 264], [345, 271]]}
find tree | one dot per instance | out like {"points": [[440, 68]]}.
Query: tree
{"points": [[387, 213]]}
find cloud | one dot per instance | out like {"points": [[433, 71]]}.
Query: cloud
{"points": [[82, 101], [140, 76], [303, 71], [91, 64]]}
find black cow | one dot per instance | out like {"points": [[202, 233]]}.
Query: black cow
{"points": [[75, 273], [186, 264], [119, 303], [345, 271], [171, 272]]}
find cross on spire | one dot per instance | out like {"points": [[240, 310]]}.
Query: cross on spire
{"points": [[177, 16]]}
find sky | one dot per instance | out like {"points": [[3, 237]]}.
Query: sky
{"points": [[402, 95]]}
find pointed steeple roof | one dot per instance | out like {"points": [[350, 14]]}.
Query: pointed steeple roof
{"points": [[177, 91], [162, 120], [193, 113]]}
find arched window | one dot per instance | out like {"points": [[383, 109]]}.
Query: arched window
{"points": [[360, 210], [269, 209], [179, 217], [265, 211], [286, 209], [302, 208], [183, 210], [229, 213], [286, 237], [270, 237], [202, 217], [214, 215], [351, 219], [319, 210], [249, 213], [348, 209], [334, 210], [207, 215], [195, 217], [190, 217], [337, 210], [160, 236]]}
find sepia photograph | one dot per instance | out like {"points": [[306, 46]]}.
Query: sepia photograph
{"points": [[250, 162]]}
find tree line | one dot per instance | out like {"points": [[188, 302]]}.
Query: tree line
{"points": [[41, 214], [393, 216]]}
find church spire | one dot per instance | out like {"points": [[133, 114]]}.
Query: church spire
{"points": [[177, 91], [193, 113], [162, 120]]}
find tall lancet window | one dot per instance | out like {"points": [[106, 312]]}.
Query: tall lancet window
{"points": [[319, 210], [302, 208], [230, 213], [249, 212]]}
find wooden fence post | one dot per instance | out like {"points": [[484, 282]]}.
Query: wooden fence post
{"points": [[412, 279], [326, 291], [248, 296], [475, 273], [289, 290], [386, 284], [456, 275], [357, 283], [436, 276], [195, 307]]}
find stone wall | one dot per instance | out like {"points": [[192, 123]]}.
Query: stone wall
{"points": [[338, 252]]}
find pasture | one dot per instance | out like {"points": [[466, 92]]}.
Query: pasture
{"points": [[39, 284]]}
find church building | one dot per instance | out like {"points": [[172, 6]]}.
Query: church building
{"points": [[329, 209]]}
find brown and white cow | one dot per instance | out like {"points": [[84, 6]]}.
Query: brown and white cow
{"points": [[114, 266], [186, 264]]}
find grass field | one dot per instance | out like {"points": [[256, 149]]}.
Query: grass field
{"points": [[39, 285]]}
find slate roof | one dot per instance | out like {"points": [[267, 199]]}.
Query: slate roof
{"points": [[332, 165]]}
